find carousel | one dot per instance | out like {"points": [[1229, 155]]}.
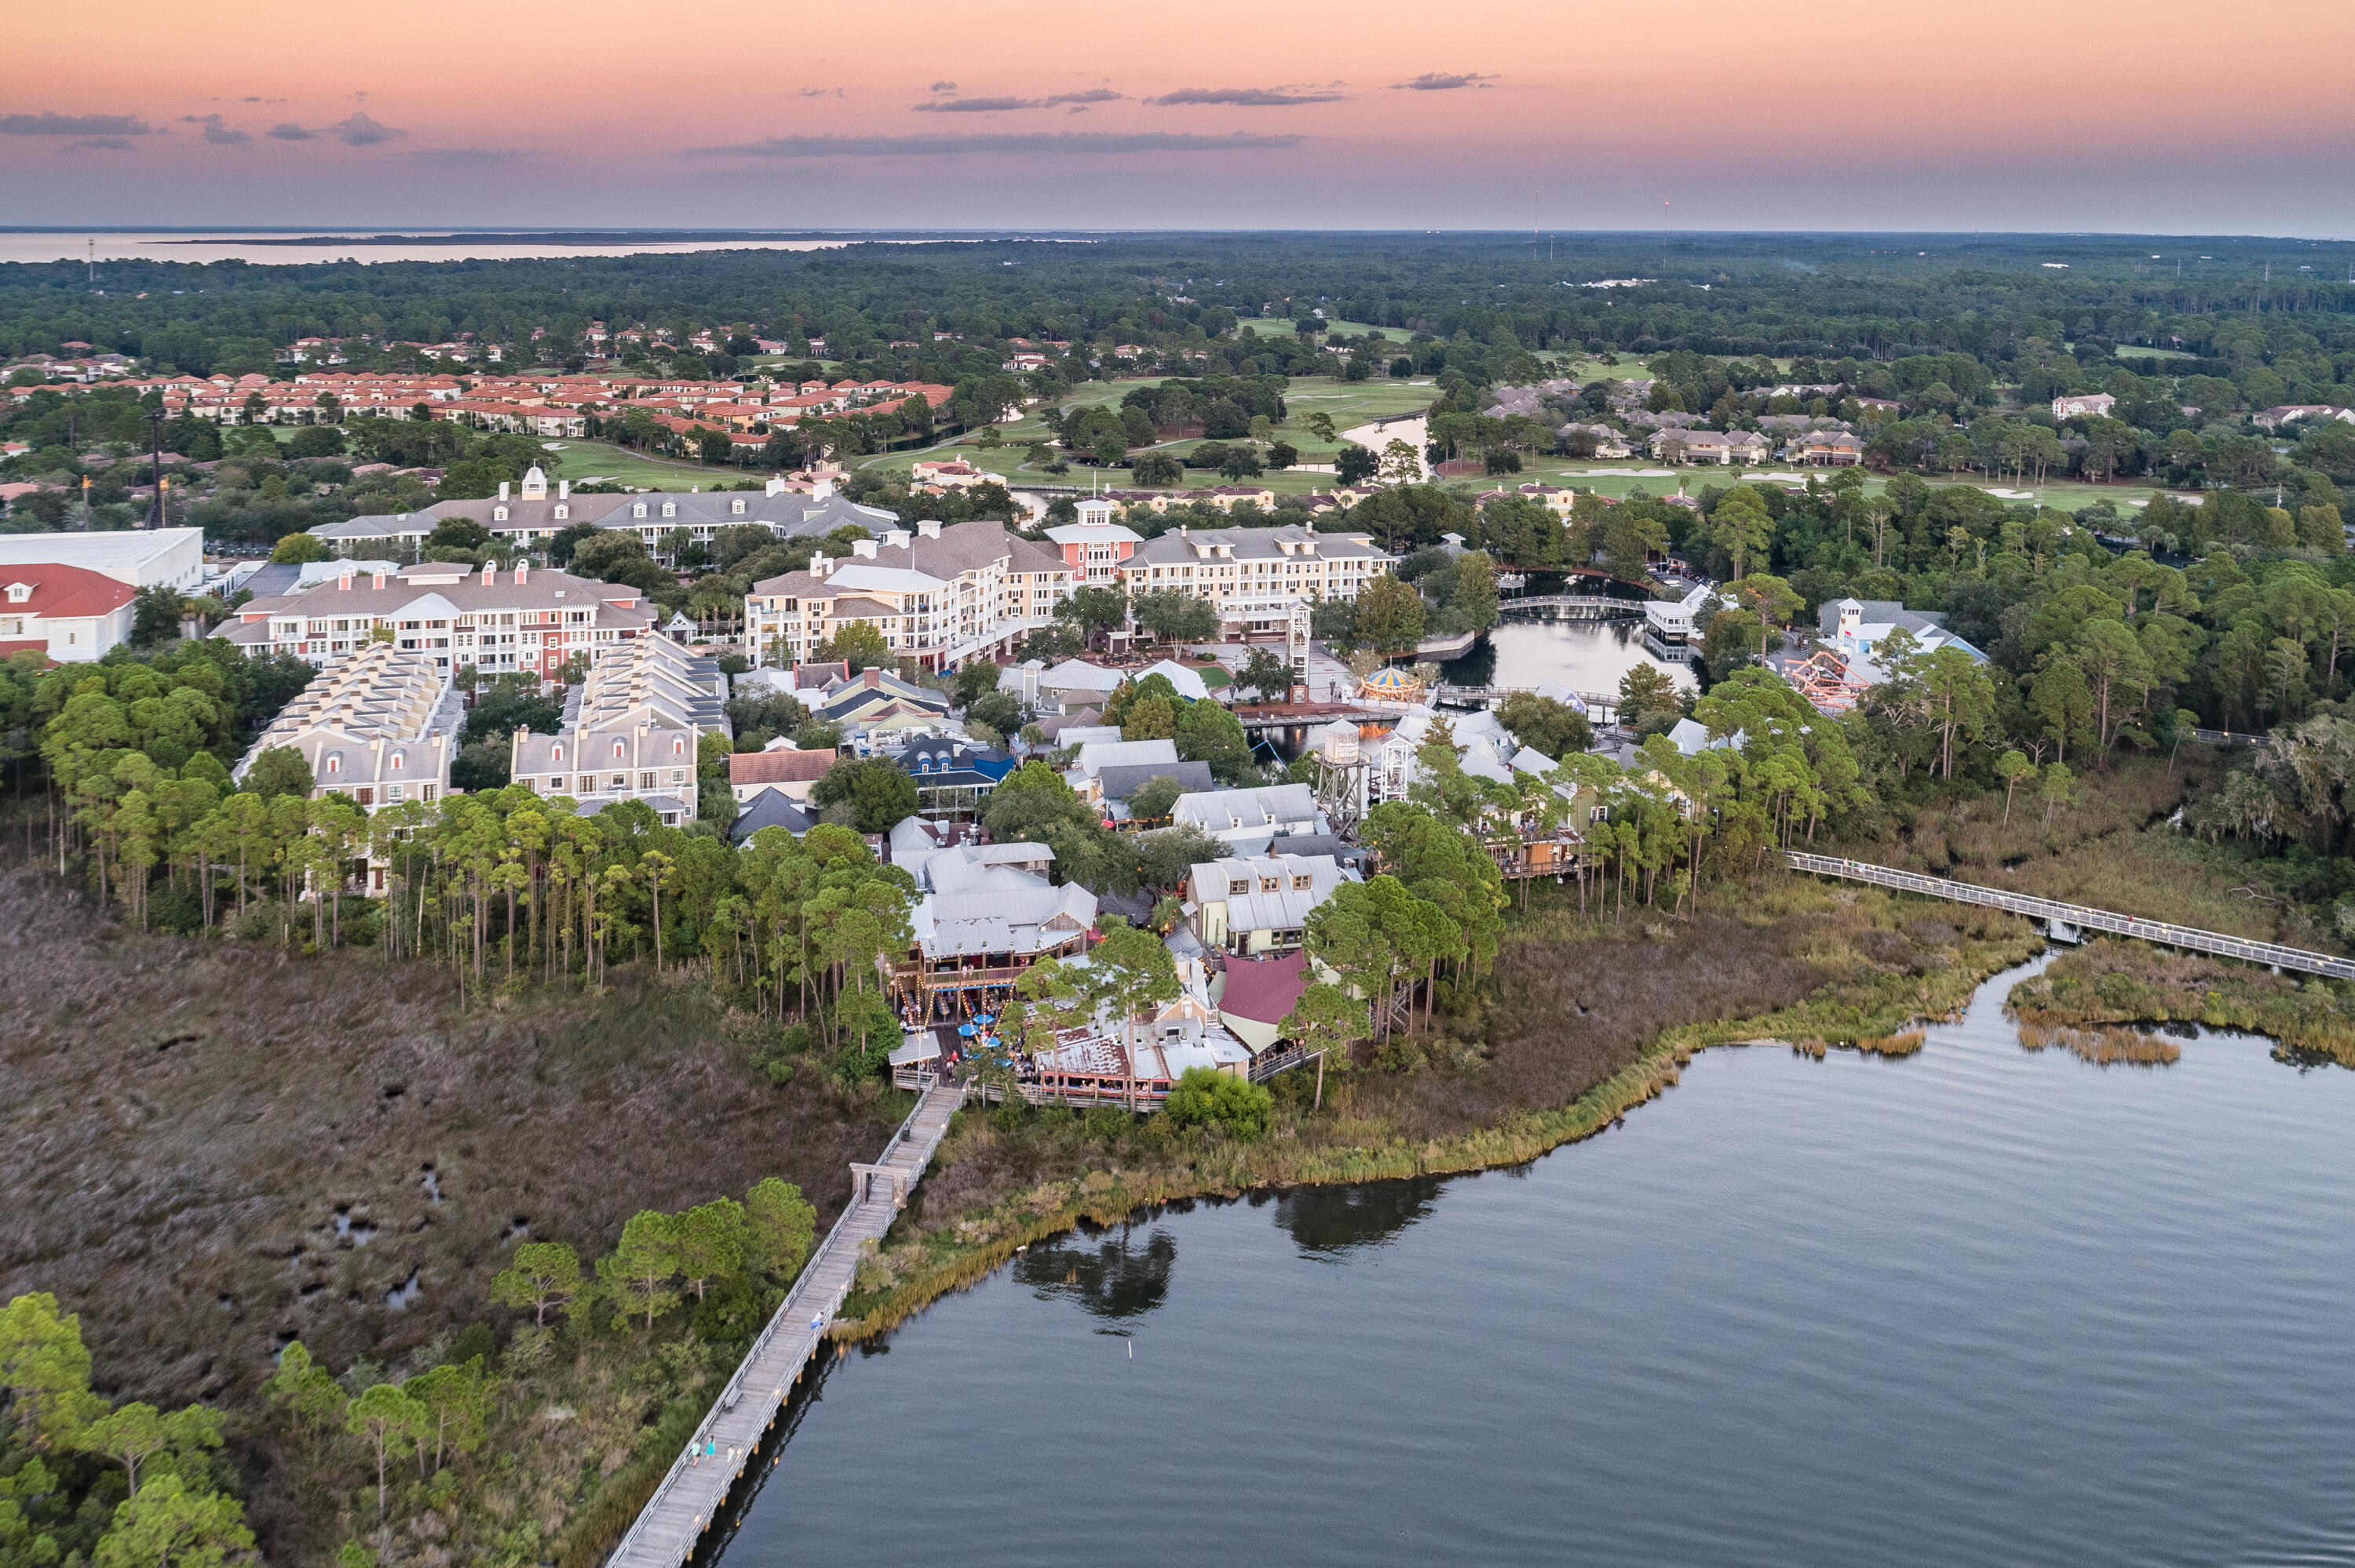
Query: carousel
{"points": [[1391, 684]]}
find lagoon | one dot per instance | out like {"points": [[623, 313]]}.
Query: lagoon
{"points": [[1976, 1306]]}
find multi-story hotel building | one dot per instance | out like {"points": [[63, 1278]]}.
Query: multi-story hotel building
{"points": [[530, 517], [1262, 581], [501, 622], [939, 596]]}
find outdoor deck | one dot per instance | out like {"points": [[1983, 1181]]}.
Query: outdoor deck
{"points": [[691, 1494]]}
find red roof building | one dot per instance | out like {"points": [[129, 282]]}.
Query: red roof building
{"points": [[73, 613]]}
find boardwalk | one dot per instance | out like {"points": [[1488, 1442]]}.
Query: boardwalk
{"points": [[690, 1495], [2080, 917], [1577, 606]]}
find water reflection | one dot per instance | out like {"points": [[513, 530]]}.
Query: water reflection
{"points": [[1584, 655], [1330, 1221], [1118, 1276]]}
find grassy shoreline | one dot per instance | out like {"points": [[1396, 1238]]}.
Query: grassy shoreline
{"points": [[2109, 982], [931, 1257]]}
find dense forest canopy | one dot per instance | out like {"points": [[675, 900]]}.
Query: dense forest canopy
{"points": [[1867, 297]]}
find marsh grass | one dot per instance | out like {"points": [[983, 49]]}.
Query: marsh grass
{"points": [[2115, 849], [2104, 1045], [182, 1120], [2115, 981]]}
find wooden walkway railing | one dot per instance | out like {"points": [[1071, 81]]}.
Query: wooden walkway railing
{"points": [[1599, 604], [2082, 917], [690, 1495]]}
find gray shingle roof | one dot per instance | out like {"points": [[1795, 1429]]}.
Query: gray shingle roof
{"points": [[1120, 782]]}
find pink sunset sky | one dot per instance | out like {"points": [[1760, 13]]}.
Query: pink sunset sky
{"points": [[2160, 115]]}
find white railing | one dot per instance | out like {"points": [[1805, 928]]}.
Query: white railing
{"points": [[788, 1310], [2084, 916]]}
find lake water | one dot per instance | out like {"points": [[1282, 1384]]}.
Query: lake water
{"points": [[1975, 1307], [1582, 655]]}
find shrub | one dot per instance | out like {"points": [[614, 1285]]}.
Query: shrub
{"points": [[1208, 1098]]}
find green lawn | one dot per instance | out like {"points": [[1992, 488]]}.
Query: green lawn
{"points": [[584, 461], [2136, 351]]}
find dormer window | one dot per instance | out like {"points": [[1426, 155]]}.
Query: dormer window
{"points": [[562, 512], [400, 760], [335, 762], [556, 752], [498, 513], [670, 508], [617, 751], [678, 747], [638, 509], [20, 593], [735, 508]]}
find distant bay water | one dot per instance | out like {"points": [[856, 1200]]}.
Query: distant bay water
{"points": [[289, 247]]}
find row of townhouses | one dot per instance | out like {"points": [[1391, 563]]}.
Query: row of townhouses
{"points": [[630, 732], [380, 724]]}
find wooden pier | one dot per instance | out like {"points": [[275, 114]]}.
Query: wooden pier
{"points": [[692, 1494], [2069, 919]]}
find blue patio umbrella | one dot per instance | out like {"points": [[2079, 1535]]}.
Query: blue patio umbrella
{"points": [[965, 1028]]}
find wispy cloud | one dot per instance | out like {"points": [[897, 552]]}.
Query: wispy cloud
{"points": [[998, 105], [359, 129], [287, 130], [1443, 82], [942, 87], [100, 144], [1247, 97], [218, 130], [471, 154], [50, 122], [1019, 142], [824, 92]]}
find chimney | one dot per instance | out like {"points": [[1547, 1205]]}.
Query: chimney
{"points": [[822, 490], [503, 489], [863, 548], [519, 571], [928, 527], [896, 537], [776, 485], [563, 490]]}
